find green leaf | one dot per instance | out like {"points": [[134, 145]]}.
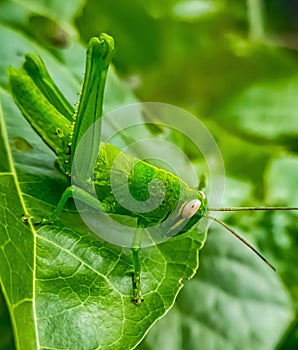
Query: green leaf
{"points": [[7, 341], [63, 285], [76, 288], [61, 13], [281, 179], [265, 111], [16, 253], [234, 302], [69, 279]]}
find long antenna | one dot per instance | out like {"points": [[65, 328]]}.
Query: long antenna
{"points": [[251, 208], [242, 240]]}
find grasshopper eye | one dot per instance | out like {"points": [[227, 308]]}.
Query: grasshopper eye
{"points": [[191, 208]]}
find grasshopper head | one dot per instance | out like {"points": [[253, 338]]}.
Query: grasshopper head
{"points": [[193, 210], [186, 215]]}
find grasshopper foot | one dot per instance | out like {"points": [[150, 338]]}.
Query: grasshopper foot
{"points": [[137, 300]]}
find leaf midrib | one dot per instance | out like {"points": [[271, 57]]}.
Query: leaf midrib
{"points": [[13, 173]]}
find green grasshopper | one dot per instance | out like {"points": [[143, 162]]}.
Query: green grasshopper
{"points": [[62, 128]]}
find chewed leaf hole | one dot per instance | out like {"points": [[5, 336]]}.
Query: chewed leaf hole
{"points": [[21, 144]]}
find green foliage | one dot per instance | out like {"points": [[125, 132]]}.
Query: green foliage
{"points": [[230, 288], [65, 288], [69, 278]]}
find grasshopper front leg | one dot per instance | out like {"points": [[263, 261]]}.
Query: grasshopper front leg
{"points": [[82, 195], [136, 277]]}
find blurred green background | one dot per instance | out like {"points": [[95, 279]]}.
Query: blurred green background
{"points": [[234, 64]]}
